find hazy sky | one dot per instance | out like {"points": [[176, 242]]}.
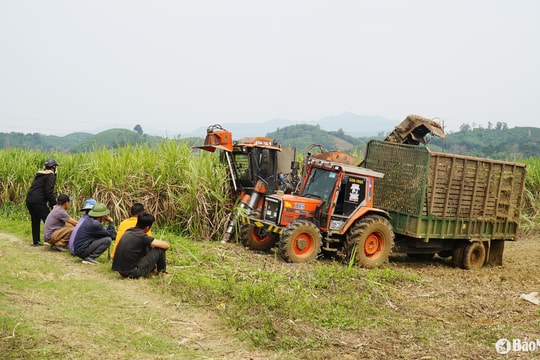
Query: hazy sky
{"points": [[173, 66]]}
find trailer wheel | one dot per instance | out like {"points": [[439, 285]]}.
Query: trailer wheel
{"points": [[369, 241], [300, 242], [457, 256], [474, 256], [256, 238]]}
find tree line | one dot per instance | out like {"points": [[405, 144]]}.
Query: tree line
{"points": [[497, 141]]}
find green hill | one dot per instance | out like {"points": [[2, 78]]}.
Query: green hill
{"points": [[497, 142], [114, 138], [45, 143], [302, 135]]}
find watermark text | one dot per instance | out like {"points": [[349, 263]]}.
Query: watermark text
{"points": [[505, 346]]}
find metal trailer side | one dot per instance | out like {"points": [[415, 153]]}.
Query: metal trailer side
{"points": [[439, 202]]}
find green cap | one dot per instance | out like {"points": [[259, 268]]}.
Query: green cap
{"points": [[99, 210]]}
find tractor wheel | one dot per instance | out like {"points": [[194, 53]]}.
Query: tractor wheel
{"points": [[256, 238], [474, 256], [300, 242], [369, 241]]}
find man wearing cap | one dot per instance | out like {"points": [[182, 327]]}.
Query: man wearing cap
{"points": [[88, 205], [40, 193], [92, 238], [59, 225]]}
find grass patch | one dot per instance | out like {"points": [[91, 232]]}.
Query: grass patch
{"points": [[272, 304], [56, 309], [314, 310], [276, 305]]}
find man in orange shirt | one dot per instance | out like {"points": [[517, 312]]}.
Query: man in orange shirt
{"points": [[136, 209]]}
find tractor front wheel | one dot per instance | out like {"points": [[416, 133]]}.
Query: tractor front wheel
{"points": [[300, 242], [256, 238], [369, 241]]}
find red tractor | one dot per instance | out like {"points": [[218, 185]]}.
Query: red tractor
{"points": [[333, 211]]}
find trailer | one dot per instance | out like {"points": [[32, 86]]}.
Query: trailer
{"points": [[445, 204]]}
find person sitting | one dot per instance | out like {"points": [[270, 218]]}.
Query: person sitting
{"points": [[135, 210], [58, 224], [92, 238], [139, 254], [88, 205]]}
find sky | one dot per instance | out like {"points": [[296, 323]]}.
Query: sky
{"points": [[174, 66]]}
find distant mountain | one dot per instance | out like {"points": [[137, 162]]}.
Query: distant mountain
{"points": [[358, 125], [351, 124]]}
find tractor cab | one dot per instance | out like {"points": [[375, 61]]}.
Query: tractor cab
{"points": [[253, 159], [249, 160], [334, 206], [331, 196]]}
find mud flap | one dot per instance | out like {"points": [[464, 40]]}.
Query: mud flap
{"points": [[496, 250]]}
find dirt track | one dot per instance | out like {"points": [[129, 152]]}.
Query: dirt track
{"points": [[191, 332], [460, 314]]}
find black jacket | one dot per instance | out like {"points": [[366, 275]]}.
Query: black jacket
{"points": [[42, 188]]}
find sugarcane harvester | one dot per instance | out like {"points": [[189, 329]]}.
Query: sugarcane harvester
{"points": [[256, 166]]}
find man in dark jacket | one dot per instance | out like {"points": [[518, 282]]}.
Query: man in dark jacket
{"points": [[40, 194], [92, 238], [139, 254]]}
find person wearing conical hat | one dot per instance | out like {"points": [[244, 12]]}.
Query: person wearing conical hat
{"points": [[93, 238]]}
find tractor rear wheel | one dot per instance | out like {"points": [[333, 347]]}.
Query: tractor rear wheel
{"points": [[474, 256], [256, 238], [300, 242], [369, 241]]}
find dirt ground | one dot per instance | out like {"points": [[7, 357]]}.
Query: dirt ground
{"points": [[449, 313], [460, 314]]}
